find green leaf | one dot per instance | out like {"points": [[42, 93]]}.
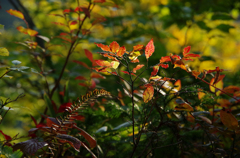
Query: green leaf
{"points": [[224, 27], [4, 51], [8, 152], [222, 17], [49, 104]]}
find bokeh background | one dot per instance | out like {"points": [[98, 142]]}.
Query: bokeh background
{"points": [[210, 27]]}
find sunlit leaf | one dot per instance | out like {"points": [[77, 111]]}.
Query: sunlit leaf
{"points": [[115, 64], [183, 106], [179, 63], [228, 119], [231, 89], [139, 66], [27, 31], [103, 63], [134, 55], [128, 73], [155, 71], [186, 50], [138, 47], [165, 59], [4, 51], [16, 13], [114, 47], [219, 85], [149, 49], [200, 94], [148, 93], [178, 85], [121, 51], [103, 47]]}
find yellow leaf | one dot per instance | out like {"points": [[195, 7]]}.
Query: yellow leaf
{"points": [[4, 51], [115, 64], [16, 13], [148, 93], [218, 85], [134, 55]]}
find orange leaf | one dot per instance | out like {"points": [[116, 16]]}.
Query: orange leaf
{"points": [[178, 85], [155, 71], [183, 106], [16, 13], [179, 63], [135, 61], [90, 57], [32, 32], [103, 63], [148, 93], [92, 142], [231, 89], [27, 31], [165, 59], [196, 73], [138, 47], [165, 66], [228, 119], [149, 49], [121, 51], [216, 70], [114, 47], [103, 47], [200, 94], [139, 66]]}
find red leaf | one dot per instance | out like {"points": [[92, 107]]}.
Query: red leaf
{"points": [[67, 11], [155, 71], [139, 66], [148, 93], [92, 142], [16, 13], [30, 146], [165, 66], [121, 51], [103, 47], [7, 137], [78, 117], [97, 75], [54, 105], [99, 1], [192, 55], [83, 84], [80, 78], [82, 63], [114, 47], [34, 120], [86, 11], [93, 84], [128, 73], [186, 50], [64, 106], [90, 57], [149, 49], [78, 9], [216, 70], [73, 22]]}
